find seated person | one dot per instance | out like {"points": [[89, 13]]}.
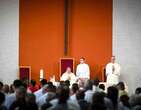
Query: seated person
{"points": [[32, 86], [68, 75]]}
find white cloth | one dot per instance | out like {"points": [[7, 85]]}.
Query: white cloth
{"points": [[68, 76], [83, 71], [9, 100], [42, 99], [112, 73], [72, 105], [73, 97], [38, 94], [89, 95]]}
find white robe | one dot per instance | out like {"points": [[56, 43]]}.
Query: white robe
{"points": [[112, 76], [83, 71], [68, 76]]}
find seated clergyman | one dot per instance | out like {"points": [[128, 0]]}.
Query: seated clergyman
{"points": [[68, 75]]}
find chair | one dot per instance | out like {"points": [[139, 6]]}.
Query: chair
{"points": [[25, 73], [64, 63]]}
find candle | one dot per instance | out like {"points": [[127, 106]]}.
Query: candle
{"points": [[41, 74]]}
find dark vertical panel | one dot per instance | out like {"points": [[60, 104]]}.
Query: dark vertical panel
{"points": [[66, 4]]}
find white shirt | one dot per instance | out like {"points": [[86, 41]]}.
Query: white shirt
{"points": [[73, 97], [38, 94], [9, 100], [83, 71], [88, 96], [72, 105], [68, 76], [42, 99], [112, 76]]}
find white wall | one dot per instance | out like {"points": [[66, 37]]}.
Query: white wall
{"points": [[9, 40], [127, 40]]}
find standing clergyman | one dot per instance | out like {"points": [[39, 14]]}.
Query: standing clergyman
{"points": [[112, 72], [83, 70]]}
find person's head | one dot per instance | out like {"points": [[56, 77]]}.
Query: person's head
{"points": [[89, 85], [20, 93], [121, 86], [138, 91], [80, 94], [82, 60], [113, 59], [98, 101], [30, 98], [67, 83], [63, 94], [49, 83], [51, 88], [68, 70], [2, 98], [1, 86], [43, 82], [96, 82], [11, 89], [102, 86], [74, 88], [6, 88], [125, 100], [135, 100], [17, 83], [112, 94], [33, 83]]}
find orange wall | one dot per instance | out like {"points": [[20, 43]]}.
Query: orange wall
{"points": [[42, 33], [91, 31]]}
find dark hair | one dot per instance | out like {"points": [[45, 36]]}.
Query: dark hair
{"points": [[75, 87], [67, 83], [102, 86], [1, 84], [98, 101], [80, 94], [138, 90], [82, 58], [33, 83], [49, 83], [51, 88], [121, 85], [63, 94], [17, 83], [96, 81], [2, 98], [61, 83], [43, 82], [125, 100], [89, 85], [112, 94], [31, 98]]}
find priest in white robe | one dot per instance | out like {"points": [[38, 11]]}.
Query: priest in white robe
{"points": [[68, 75], [83, 70], [112, 72]]}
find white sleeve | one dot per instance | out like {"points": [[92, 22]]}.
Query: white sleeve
{"points": [[63, 77], [88, 72], [107, 70], [77, 71]]}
